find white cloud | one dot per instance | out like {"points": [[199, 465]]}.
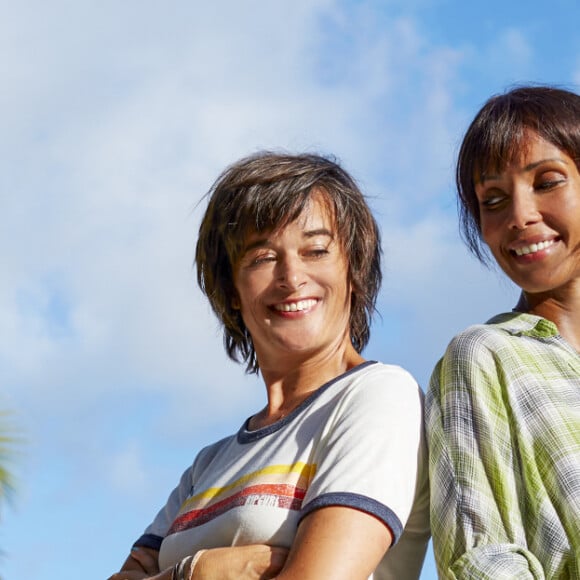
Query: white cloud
{"points": [[108, 215], [433, 289], [514, 46], [117, 118], [126, 471]]}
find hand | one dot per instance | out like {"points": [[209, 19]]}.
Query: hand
{"points": [[253, 562], [142, 564], [130, 575], [140, 575]]}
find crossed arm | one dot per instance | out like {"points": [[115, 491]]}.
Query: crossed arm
{"points": [[332, 542]]}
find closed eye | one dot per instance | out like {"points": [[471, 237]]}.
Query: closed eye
{"points": [[549, 178], [551, 184], [257, 257], [492, 201], [318, 252], [263, 259]]}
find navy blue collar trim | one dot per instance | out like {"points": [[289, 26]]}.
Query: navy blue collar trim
{"points": [[247, 436]]}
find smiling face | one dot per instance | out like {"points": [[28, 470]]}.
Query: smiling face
{"points": [[530, 217], [293, 290]]}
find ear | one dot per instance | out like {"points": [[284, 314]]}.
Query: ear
{"points": [[236, 303]]}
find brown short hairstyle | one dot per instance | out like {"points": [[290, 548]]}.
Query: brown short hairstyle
{"points": [[267, 191], [497, 137]]}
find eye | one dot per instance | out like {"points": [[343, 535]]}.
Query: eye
{"points": [[263, 259], [257, 258], [318, 248], [549, 180], [492, 199], [318, 252]]}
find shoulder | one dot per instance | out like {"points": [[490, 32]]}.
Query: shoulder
{"points": [[378, 386], [507, 337], [484, 355], [208, 453], [482, 340], [387, 375], [476, 337], [471, 352]]}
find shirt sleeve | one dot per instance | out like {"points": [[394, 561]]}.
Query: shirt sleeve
{"points": [[476, 516], [371, 450], [158, 528]]}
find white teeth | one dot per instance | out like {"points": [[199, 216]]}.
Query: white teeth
{"points": [[295, 306], [532, 248]]}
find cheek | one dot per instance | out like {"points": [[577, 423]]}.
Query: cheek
{"points": [[485, 237], [491, 239], [489, 231], [249, 292]]}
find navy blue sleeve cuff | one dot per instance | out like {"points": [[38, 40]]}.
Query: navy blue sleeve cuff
{"points": [[149, 541], [361, 503]]}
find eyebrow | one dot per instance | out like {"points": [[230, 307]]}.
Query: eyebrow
{"points": [[528, 167], [264, 242]]}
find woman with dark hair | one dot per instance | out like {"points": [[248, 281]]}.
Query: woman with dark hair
{"points": [[503, 407], [327, 480]]}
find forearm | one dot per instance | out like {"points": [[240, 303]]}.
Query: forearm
{"points": [[146, 561], [252, 562], [336, 542]]}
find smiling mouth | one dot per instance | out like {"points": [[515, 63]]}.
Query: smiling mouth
{"points": [[533, 248], [295, 306]]}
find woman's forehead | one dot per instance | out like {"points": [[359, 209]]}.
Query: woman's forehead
{"points": [[314, 216]]}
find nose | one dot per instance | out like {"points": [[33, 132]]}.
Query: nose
{"points": [[291, 274], [524, 210]]}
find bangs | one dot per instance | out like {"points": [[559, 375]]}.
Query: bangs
{"points": [[495, 150], [265, 210]]}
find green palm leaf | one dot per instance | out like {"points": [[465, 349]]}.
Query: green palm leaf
{"points": [[8, 443]]}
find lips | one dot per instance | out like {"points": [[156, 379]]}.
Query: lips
{"points": [[297, 306]]}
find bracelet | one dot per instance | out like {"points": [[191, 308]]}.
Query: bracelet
{"points": [[178, 571], [193, 562], [189, 562]]}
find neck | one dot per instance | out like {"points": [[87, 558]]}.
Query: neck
{"points": [[287, 387], [563, 310]]}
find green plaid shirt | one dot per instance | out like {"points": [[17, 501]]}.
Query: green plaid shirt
{"points": [[503, 420]]}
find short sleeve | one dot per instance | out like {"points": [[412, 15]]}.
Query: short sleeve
{"points": [[158, 528], [371, 448]]}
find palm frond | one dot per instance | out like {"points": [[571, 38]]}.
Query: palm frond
{"points": [[8, 444]]}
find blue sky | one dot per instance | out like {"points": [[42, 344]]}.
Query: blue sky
{"points": [[117, 116]]}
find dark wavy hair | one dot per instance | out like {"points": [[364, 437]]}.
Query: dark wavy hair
{"points": [[497, 137], [267, 191]]}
